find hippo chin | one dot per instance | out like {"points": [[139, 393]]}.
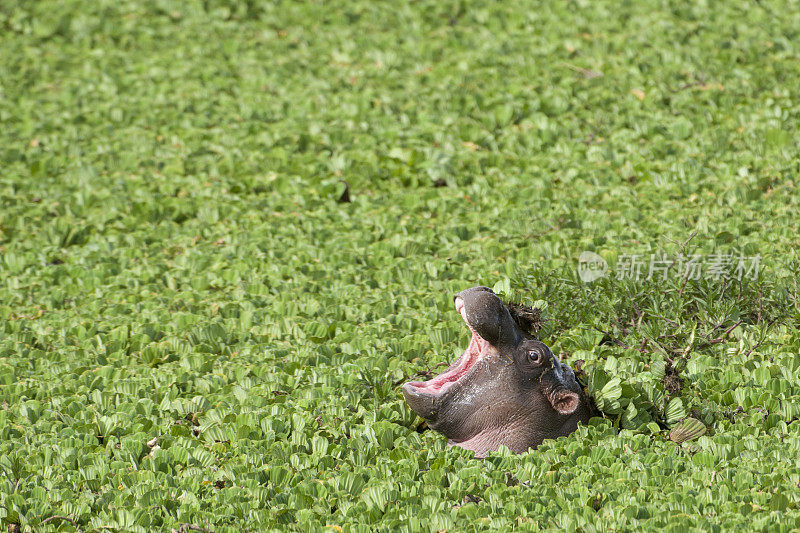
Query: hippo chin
{"points": [[507, 388]]}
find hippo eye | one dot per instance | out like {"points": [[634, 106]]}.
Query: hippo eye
{"points": [[535, 356]]}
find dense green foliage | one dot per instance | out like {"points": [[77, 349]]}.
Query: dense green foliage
{"points": [[193, 330]]}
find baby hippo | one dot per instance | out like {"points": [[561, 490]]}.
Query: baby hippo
{"points": [[506, 388]]}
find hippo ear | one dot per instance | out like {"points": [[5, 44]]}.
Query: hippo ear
{"points": [[565, 402]]}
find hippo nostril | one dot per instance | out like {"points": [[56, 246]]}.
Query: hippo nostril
{"points": [[566, 402]]}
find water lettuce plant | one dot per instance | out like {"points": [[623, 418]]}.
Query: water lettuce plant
{"points": [[199, 329]]}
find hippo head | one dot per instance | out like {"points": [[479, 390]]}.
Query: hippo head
{"points": [[507, 388]]}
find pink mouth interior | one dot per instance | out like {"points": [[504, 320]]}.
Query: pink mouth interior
{"points": [[458, 369]]}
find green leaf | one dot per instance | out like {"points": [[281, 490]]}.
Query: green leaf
{"points": [[778, 502], [675, 411], [612, 390], [688, 429], [502, 287]]}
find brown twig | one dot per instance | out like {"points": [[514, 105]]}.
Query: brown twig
{"points": [[183, 528], [721, 338], [618, 342], [683, 244], [666, 352], [751, 350], [625, 331], [762, 339], [421, 373], [60, 517], [683, 285], [665, 319], [585, 72], [682, 247], [639, 314]]}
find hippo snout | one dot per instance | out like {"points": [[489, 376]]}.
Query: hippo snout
{"points": [[420, 402]]}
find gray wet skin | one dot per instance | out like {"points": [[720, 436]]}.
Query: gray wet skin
{"points": [[506, 389]]}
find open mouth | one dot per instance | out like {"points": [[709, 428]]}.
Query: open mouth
{"points": [[460, 368]]}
